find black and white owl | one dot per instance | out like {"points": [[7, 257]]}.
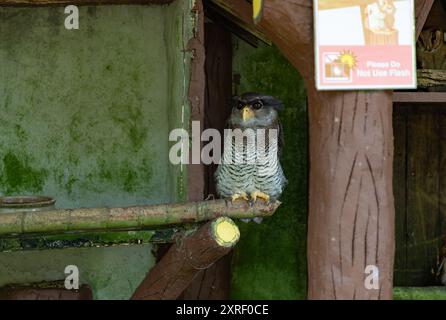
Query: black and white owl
{"points": [[250, 167]]}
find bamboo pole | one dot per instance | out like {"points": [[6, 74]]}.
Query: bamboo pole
{"points": [[130, 218]]}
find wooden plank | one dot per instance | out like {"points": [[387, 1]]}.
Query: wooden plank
{"points": [[442, 178], [219, 12], [196, 95], [46, 291], [422, 195], [13, 3], [399, 191], [420, 97], [422, 10]]}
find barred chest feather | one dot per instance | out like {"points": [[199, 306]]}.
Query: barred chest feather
{"points": [[250, 163]]}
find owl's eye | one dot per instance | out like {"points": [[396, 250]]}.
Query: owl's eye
{"points": [[257, 105], [240, 105]]}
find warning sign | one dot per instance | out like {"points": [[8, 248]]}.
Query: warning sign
{"points": [[365, 44]]}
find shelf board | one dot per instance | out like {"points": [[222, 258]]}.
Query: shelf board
{"points": [[419, 97]]}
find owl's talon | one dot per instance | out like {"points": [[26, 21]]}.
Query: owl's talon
{"points": [[261, 195], [241, 195]]}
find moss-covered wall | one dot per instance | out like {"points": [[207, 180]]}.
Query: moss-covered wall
{"points": [[112, 273], [85, 118], [270, 260], [84, 111]]}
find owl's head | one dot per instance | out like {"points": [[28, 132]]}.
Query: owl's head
{"points": [[255, 110]]}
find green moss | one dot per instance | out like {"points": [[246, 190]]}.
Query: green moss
{"points": [[130, 119], [130, 177], [419, 293], [20, 133], [19, 175], [270, 259]]}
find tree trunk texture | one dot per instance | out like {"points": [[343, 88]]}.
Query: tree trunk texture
{"points": [[428, 78], [431, 49], [185, 259], [351, 206], [351, 221]]}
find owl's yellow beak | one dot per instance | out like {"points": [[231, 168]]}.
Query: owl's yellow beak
{"points": [[247, 113]]}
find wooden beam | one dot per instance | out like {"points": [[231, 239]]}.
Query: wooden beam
{"points": [[130, 218], [45, 291], [351, 206], [14, 3], [218, 12], [422, 10], [420, 97], [196, 92], [185, 259]]}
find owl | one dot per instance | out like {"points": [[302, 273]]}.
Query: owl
{"points": [[250, 167]]}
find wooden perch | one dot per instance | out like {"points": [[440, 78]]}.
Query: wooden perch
{"points": [[196, 252], [130, 218]]}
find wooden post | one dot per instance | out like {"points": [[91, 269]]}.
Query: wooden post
{"points": [[351, 209], [351, 220], [197, 252], [214, 282]]}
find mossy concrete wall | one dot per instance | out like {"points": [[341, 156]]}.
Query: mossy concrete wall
{"points": [[85, 118], [270, 259], [112, 273], [84, 112]]}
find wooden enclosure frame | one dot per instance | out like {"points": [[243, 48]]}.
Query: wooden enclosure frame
{"points": [[351, 206]]}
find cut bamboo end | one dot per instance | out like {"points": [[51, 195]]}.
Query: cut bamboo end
{"points": [[257, 10], [225, 232]]}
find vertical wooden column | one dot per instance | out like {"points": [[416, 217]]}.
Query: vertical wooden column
{"points": [[196, 95], [351, 218], [351, 206], [214, 282]]}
